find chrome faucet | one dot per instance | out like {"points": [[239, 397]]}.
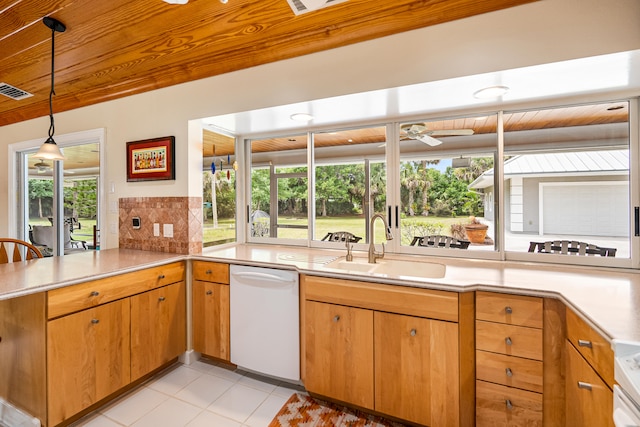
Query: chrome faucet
{"points": [[373, 255]]}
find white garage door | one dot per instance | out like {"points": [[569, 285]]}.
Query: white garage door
{"points": [[593, 209]]}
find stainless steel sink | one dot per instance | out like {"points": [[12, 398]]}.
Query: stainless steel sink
{"points": [[391, 267]]}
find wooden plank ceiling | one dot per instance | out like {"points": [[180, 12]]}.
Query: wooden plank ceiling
{"points": [[116, 48]]}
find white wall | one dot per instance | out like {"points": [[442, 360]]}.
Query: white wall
{"points": [[536, 33]]}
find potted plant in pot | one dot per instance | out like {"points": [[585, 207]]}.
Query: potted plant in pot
{"points": [[476, 231]]}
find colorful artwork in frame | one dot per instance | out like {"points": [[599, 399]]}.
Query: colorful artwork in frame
{"points": [[151, 159]]}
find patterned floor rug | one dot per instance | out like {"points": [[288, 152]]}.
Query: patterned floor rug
{"points": [[305, 411]]}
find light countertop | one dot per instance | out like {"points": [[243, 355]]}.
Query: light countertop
{"points": [[609, 299], [44, 274]]}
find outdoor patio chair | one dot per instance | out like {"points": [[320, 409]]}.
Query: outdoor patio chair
{"points": [[341, 236], [21, 250], [440, 241], [570, 247]]}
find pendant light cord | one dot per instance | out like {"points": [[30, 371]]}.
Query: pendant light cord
{"points": [[52, 92]]}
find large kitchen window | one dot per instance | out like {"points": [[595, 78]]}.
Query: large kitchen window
{"points": [[279, 207], [350, 182], [549, 185], [219, 188], [566, 180], [439, 210]]}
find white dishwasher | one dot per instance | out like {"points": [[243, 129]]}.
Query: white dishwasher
{"points": [[265, 321]]}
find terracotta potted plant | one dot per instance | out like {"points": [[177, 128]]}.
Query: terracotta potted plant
{"points": [[476, 231]]}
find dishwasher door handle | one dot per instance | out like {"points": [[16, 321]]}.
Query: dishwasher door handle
{"points": [[263, 277]]}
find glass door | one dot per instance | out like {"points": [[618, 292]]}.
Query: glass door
{"points": [[59, 201]]}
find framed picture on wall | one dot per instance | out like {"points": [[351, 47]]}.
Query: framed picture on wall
{"points": [[151, 159]]}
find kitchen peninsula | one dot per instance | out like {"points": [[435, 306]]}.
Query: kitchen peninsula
{"points": [[606, 300]]}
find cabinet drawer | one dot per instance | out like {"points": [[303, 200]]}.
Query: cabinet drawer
{"points": [[211, 272], [595, 349], [497, 405], [508, 339], [428, 303], [511, 309], [509, 371], [90, 294], [589, 402]]}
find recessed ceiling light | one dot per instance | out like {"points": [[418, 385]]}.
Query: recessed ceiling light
{"points": [[301, 117], [491, 92]]}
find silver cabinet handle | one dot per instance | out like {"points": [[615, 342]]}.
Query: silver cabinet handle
{"points": [[95, 321], [585, 343], [509, 404], [509, 372], [413, 332], [508, 310], [161, 276], [336, 318], [161, 299], [94, 294], [209, 292], [508, 341], [584, 386], [208, 272]]}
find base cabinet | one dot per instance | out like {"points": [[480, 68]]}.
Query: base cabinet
{"points": [[103, 335], [589, 401], [211, 316], [88, 358], [359, 351], [415, 369], [339, 356], [158, 328]]}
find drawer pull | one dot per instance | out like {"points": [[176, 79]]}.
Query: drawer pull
{"points": [[94, 294], [508, 310], [584, 386], [508, 341], [95, 321], [161, 299], [509, 372], [509, 404], [413, 332], [585, 343], [336, 318], [208, 272], [161, 276], [209, 292]]}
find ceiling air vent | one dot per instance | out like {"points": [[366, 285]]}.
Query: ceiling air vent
{"points": [[303, 6], [13, 92]]}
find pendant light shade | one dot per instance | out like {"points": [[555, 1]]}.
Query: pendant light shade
{"points": [[50, 150]]}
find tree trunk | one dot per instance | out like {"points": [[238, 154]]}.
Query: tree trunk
{"points": [[214, 202]]}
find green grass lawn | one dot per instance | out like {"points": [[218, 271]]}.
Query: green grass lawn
{"points": [[353, 224]]}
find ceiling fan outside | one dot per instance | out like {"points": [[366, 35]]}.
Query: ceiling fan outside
{"points": [[420, 132]]}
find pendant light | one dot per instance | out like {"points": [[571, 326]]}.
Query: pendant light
{"points": [[49, 150]]}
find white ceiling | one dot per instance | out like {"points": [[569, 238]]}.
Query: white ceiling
{"points": [[602, 77]]}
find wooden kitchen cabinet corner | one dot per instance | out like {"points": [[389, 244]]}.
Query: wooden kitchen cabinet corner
{"points": [[211, 335], [416, 369], [88, 358], [339, 352], [158, 328]]}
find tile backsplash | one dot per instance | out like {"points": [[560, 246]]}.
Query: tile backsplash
{"points": [[183, 213]]}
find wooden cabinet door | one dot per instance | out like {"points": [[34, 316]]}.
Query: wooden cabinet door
{"points": [[416, 369], [211, 319], [87, 358], [589, 402], [158, 328], [339, 352]]}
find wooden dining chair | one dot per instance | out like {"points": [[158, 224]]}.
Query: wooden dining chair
{"points": [[21, 250]]}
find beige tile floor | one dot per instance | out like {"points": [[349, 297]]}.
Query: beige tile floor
{"points": [[197, 395]]}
